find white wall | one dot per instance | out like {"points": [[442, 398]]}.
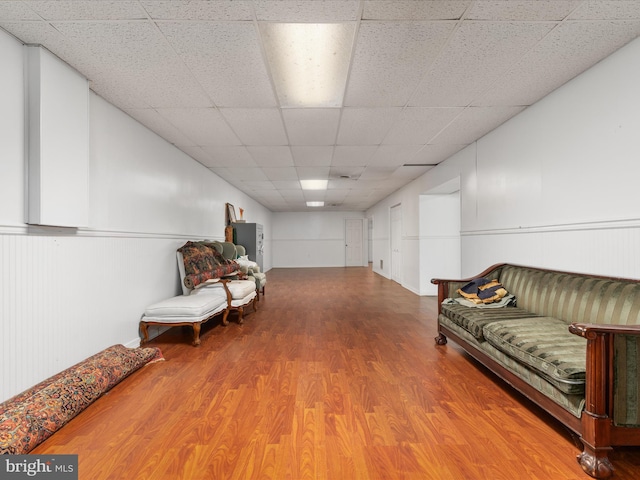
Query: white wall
{"points": [[555, 186], [439, 238], [313, 239], [67, 293]]}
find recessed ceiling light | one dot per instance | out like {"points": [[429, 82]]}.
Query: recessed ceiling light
{"points": [[314, 184], [315, 204], [309, 61]]}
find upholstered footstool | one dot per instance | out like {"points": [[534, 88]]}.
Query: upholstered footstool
{"points": [[241, 293], [185, 310]]}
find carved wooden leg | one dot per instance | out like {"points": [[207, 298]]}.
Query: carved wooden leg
{"points": [[441, 339], [196, 334], [225, 321], [255, 303], [595, 461], [263, 291], [145, 333], [240, 318]]}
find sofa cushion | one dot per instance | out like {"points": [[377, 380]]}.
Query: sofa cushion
{"points": [[545, 345], [474, 319], [239, 289], [186, 307]]}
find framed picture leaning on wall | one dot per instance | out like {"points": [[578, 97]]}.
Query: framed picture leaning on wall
{"points": [[230, 214]]}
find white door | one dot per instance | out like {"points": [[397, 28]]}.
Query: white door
{"points": [[353, 242], [396, 243]]}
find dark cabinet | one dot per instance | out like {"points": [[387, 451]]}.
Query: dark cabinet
{"points": [[251, 237]]}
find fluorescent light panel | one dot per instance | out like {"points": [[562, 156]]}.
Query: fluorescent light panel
{"points": [[314, 184], [315, 204], [309, 61]]}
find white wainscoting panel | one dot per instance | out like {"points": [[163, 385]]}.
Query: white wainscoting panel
{"points": [[64, 298], [608, 248]]}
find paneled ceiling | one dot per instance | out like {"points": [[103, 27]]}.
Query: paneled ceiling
{"points": [[425, 78]]}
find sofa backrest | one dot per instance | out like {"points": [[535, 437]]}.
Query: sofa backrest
{"points": [[573, 297]]}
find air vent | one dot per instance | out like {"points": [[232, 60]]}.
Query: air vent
{"points": [[419, 164]]}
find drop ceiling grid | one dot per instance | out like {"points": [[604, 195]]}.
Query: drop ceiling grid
{"points": [[154, 60]]}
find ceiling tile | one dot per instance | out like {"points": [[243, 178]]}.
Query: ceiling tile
{"points": [[476, 56], [88, 10], [435, 153], [292, 194], [231, 156], [521, 10], [313, 173], [392, 156], [287, 185], [389, 60], [226, 59], [312, 126], [416, 126], [607, 10], [413, 10], [474, 123], [154, 121], [198, 154], [353, 155], [256, 126], [312, 156], [280, 173], [272, 156], [584, 43], [229, 10], [366, 126], [11, 10], [248, 174], [205, 126], [132, 56], [304, 11]]}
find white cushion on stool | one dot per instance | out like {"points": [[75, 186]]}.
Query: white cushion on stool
{"points": [[239, 289], [187, 308]]}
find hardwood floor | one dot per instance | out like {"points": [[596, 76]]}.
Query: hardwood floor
{"points": [[335, 377]]}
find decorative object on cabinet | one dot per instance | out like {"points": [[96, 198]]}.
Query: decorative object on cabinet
{"points": [[230, 214]]}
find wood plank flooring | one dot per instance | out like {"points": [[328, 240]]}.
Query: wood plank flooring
{"points": [[335, 377]]}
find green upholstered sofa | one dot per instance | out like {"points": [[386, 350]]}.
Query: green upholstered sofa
{"points": [[571, 344]]}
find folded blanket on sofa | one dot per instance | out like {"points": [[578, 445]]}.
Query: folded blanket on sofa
{"points": [[482, 290]]}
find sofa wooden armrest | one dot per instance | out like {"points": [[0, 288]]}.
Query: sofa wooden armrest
{"points": [[602, 426]]}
